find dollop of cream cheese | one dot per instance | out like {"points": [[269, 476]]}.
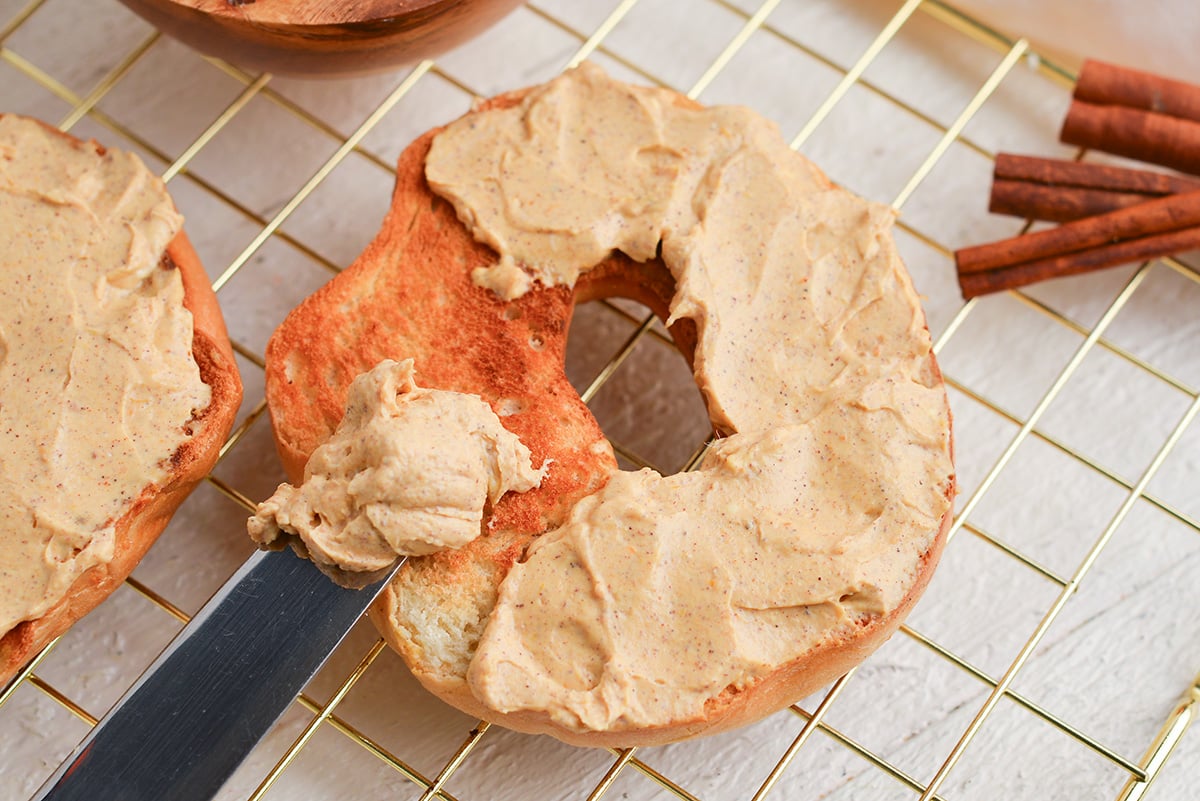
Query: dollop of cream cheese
{"points": [[97, 378], [812, 515], [408, 472]]}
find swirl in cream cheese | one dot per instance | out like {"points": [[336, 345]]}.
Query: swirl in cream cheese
{"points": [[408, 472]]}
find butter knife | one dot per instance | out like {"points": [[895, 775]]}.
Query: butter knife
{"points": [[184, 727]]}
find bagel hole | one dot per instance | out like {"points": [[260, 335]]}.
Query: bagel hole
{"points": [[649, 407]]}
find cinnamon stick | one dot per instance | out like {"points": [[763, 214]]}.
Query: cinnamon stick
{"points": [[1056, 203], [1118, 110], [1059, 172], [1143, 135], [1113, 85], [1060, 191], [1159, 216], [1128, 252]]}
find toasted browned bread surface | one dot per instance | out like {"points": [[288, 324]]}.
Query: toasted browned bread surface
{"points": [[145, 519], [410, 294]]}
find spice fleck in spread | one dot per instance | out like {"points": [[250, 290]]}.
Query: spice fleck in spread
{"points": [[407, 472], [97, 378]]}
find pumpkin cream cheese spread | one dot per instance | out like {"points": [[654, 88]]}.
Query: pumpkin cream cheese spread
{"points": [[97, 378], [407, 472], [813, 512]]}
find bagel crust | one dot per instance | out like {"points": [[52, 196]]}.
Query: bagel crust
{"points": [[619, 609], [96, 530]]}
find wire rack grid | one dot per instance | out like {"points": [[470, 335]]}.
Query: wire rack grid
{"points": [[971, 724]]}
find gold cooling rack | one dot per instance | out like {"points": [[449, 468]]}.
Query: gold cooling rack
{"points": [[802, 722]]}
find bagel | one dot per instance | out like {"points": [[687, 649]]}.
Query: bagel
{"points": [[611, 608], [112, 410]]}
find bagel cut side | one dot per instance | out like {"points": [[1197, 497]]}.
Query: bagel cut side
{"points": [[144, 519], [411, 295]]}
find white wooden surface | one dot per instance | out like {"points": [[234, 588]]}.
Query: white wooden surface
{"points": [[1111, 665]]}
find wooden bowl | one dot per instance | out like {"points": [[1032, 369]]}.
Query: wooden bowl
{"points": [[322, 37]]}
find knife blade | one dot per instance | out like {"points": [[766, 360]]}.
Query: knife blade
{"points": [[187, 723]]}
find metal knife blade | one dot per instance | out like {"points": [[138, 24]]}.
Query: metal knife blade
{"points": [[189, 721]]}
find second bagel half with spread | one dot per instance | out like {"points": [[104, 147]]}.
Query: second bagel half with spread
{"points": [[604, 607], [118, 384]]}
